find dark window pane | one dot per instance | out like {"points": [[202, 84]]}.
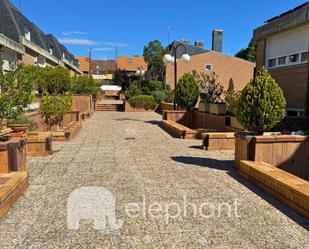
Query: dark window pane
{"points": [[294, 58], [304, 56]]}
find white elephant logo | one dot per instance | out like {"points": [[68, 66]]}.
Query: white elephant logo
{"points": [[92, 203]]}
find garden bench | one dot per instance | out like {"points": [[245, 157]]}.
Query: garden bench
{"points": [[288, 188], [179, 130], [218, 140], [86, 114], [39, 144], [72, 129], [12, 186]]}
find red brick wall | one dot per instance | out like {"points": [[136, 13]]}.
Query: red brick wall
{"points": [[229, 69], [82, 103], [293, 81]]}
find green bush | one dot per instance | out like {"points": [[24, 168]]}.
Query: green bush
{"points": [[54, 107], [159, 95], [143, 101], [261, 104], [231, 100], [133, 91], [155, 85], [187, 91], [85, 85], [55, 80]]}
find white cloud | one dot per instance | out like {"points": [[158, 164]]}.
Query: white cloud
{"points": [[103, 49], [77, 41], [74, 33], [114, 44]]}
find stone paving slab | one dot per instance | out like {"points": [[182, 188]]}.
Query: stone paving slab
{"points": [[143, 166]]}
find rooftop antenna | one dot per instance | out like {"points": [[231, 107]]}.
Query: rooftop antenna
{"points": [[169, 30]]}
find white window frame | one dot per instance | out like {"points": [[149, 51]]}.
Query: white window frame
{"points": [[288, 63], [206, 65], [27, 32]]}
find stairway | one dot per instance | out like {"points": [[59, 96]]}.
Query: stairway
{"points": [[109, 106]]}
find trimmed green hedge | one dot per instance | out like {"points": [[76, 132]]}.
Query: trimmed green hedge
{"points": [[143, 101]]}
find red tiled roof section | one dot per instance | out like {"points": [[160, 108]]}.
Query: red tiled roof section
{"points": [[103, 66], [131, 63], [84, 63]]}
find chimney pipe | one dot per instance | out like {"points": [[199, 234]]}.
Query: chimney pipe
{"points": [[199, 44], [217, 36]]}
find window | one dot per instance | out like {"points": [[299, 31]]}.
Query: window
{"points": [[294, 58], [208, 67], [282, 60], [272, 63], [63, 55], [304, 56], [27, 33], [98, 67], [129, 61], [51, 50]]}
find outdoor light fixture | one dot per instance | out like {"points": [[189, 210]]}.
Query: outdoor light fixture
{"points": [[140, 71], [172, 59]]}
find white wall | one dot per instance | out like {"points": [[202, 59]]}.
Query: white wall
{"points": [[287, 43]]}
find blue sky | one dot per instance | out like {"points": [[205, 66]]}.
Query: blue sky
{"points": [[130, 24]]}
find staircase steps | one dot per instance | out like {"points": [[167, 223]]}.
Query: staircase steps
{"points": [[109, 107]]}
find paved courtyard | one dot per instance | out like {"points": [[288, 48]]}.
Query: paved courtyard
{"points": [[169, 194]]}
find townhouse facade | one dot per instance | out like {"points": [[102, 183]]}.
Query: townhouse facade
{"points": [[233, 73], [282, 47], [22, 41]]}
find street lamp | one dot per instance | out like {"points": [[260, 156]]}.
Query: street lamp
{"points": [[140, 71], [172, 59]]}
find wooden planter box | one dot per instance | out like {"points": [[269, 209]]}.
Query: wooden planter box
{"points": [[203, 107], [39, 145], [219, 141], [12, 186], [218, 109], [287, 152], [13, 155]]}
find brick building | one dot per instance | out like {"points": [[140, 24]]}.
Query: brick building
{"points": [[84, 63], [131, 63], [233, 73], [283, 43], [22, 41]]}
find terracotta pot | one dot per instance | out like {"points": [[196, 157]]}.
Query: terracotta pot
{"points": [[203, 107], [18, 127], [219, 109]]}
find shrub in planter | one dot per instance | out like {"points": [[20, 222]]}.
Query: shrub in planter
{"points": [[133, 90], [85, 85], [54, 107], [55, 80], [143, 101], [187, 91], [261, 103], [231, 100]]}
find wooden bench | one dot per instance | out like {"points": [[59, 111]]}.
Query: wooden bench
{"points": [[218, 140], [179, 130], [288, 188], [86, 114], [72, 129], [12, 186]]}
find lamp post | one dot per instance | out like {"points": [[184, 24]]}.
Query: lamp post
{"points": [[140, 72], [172, 59]]}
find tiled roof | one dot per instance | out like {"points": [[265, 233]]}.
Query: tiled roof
{"points": [[83, 62], [103, 66], [190, 49], [131, 63], [13, 23]]}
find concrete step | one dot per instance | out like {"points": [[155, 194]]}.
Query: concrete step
{"points": [[109, 107]]}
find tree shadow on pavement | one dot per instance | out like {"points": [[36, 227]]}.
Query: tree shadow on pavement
{"points": [[227, 165]]}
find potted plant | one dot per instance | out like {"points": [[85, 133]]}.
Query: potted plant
{"points": [[231, 100], [18, 124], [187, 91], [210, 93], [260, 107]]}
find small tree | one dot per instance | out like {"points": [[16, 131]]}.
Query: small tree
{"points": [[53, 108], [85, 85], [261, 104], [231, 100], [187, 91], [210, 89], [55, 80], [121, 78]]}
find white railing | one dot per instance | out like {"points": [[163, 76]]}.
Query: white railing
{"points": [[7, 42]]}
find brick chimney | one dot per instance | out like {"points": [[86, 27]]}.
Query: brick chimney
{"points": [[217, 36], [199, 44]]}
